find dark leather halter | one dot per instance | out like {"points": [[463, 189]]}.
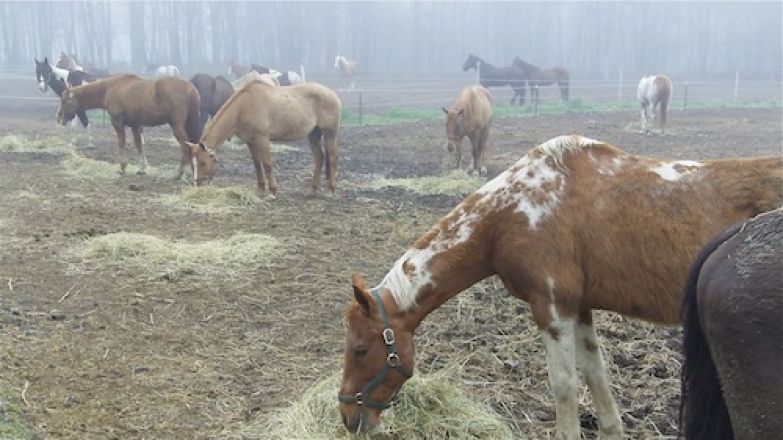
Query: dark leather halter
{"points": [[362, 398]]}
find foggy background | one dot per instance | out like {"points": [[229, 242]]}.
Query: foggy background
{"points": [[594, 40]]}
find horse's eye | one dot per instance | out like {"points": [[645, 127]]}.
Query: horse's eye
{"points": [[360, 352]]}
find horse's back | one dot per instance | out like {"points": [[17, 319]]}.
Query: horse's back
{"points": [[654, 88], [740, 304], [479, 99]]}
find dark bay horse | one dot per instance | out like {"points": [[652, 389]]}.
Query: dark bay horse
{"points": [[732, 377], [573, 226], [491, 76], [214, 93], [134, 102], [538, 77]]}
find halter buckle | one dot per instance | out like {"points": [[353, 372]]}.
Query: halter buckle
{"points": [[358, 397], [393, 360], [388, 336]]}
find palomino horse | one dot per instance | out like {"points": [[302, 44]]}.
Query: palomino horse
{"points": [[136, 103], [491, 76], [348, 69], [575, 225], [214, 92], [259, 114], [471, 116], [538, 77], [653, 90], [58, 80], [254, 76], [169, 70], [732, 384]]}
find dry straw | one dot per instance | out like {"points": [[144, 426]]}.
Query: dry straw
{"points": [[14, 143], [428, 407], [213, 200], [153, 254], [81, 167], [456, 183]]}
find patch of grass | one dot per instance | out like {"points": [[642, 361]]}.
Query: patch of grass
{"points": [[427, 407], [81, 167], [22, 144], [12, 425], [455, 183], [153, 254], [212, 199]]}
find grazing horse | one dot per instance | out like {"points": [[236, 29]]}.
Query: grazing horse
{"points": [[573, 226], [169, 70], [471, 116], [254, 76], [134, 102], [732, 377], [538, 77], [214, 92], [653, 90], [348, 69], [491, 76], [45, 74], [259, 114]]}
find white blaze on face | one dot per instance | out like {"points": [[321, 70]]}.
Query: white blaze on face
{"points": [[674, 171]]}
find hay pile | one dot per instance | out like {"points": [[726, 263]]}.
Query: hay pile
{"points": [[153, 254], [82, 167], [14, 143], [213, 200], [455, 183], [427, 407]]}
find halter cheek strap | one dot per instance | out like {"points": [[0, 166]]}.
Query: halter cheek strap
{"points": [[362, 398]]}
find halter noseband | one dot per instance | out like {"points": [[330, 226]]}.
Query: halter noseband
{"points": [[362, 398]]}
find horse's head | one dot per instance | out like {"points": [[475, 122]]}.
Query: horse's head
{"points": [[455, 127], [379, 356], [69, 105], [470, 62], [203, 161], [42, 72]]}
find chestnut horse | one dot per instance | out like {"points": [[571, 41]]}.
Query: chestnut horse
{"points": [[491, 76], [653, 90], [134, 102], [538, 77], [260, 113], [471, 116], [575, 225], [732, 377], [348, 69], [214, 92]]}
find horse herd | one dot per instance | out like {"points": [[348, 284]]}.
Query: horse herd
{"points": [[576, 225]]}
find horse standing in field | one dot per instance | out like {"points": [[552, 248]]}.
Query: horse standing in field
{"points": [[348, 69], [134, 102], [491, 76], [573, 226], [259, 114], [169, 70], [538, 77], [471, 116], [732, 377], [654, 90], [214, 92], [58, 80]]}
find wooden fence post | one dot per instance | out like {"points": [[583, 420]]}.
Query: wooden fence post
{"points": [[685, 98]]}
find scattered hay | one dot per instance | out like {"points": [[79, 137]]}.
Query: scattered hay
{"points": [[28, 196], [14, 143], [428, 406], [153, 254], [82, 167], [456, 183], [213, 200]]}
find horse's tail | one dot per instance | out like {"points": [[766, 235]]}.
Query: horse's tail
{"points": [[703, 411], [193, 122]]}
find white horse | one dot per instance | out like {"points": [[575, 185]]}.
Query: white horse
{"points": [[348, 70], [653, 90], [167, 71]]}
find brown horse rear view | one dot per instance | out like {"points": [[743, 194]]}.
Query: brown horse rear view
{"points": [[260, 113], [471, 116], [214, 93], [135, 102]]}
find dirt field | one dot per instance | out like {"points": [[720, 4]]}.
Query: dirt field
{"points": [[143, 354]]}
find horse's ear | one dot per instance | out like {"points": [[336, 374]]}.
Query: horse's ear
{"points": [[360, 292]]}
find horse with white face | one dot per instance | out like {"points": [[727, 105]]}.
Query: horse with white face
{"points": [[169, 70], [348, 70], [653, 91], [575, 225]]}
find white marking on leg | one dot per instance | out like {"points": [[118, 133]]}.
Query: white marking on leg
{"points": [[561, 367], [195, 170], [591, 363]]}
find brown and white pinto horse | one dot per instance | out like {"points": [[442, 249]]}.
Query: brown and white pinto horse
{"points": [[538, 77], [575, 225], [471, 116], [654, 90], [348, 70]]}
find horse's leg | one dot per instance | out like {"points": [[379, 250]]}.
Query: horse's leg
{"points": [[483, 151], [182, 136], [266, 159], [591, 363], [318, 157], [255, 154], [561, 365], [330, 145], [458, 152], [475, 144], [642, 117], [119, 127], [139, 142]]}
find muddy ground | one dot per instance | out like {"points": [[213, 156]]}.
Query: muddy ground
{"points": [[136, 354]]}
